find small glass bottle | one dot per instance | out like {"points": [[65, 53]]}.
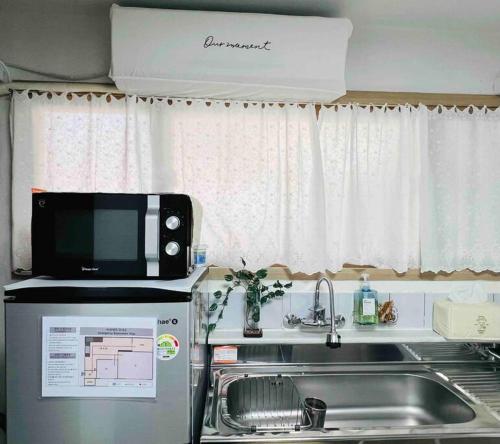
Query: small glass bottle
{"points": [[365, 304], [200, 255]]}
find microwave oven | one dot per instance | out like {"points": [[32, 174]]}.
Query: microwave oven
{"points": [[105, 235]]}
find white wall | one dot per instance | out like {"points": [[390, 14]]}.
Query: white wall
{"points": [[423, 59], [448, 46]]}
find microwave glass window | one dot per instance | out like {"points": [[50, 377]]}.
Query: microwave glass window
{"points": [[73, 234], [115, 235]]}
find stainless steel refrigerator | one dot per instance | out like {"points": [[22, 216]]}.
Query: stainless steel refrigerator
{"points": [[46, 406]]}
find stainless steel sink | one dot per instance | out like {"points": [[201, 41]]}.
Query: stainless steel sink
{"points": [[385, 399], [367, 402]]}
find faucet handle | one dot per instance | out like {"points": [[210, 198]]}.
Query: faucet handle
{"points": [[290, 320], [318, 314], [339, 321]]}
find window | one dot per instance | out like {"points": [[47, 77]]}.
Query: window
{"points": [[397, 188]]}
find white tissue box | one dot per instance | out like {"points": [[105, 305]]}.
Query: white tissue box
{"points": [[468, 322]]}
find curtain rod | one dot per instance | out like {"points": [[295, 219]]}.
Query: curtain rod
{"points": [[361, 98], [60, 87]]}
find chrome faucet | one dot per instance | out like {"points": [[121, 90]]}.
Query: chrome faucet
{"points": [[318, 317], [332, 338]]}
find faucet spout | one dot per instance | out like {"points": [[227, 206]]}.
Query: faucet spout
{"points": [[332, 338], [317, 318]]}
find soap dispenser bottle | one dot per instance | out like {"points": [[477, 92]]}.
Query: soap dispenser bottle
{"points": [[365, 304]]}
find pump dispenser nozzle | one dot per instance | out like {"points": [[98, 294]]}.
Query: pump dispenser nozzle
{"points": [[365, 285]]}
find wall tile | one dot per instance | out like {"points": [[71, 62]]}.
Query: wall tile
{"points": [[286, 305], [414, 309], [271, 314], [303, 301], [430, 298], [233, 314], [344, 305], [411, 309]]}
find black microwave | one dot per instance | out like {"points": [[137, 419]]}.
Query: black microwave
{"points": [[104, 235]]}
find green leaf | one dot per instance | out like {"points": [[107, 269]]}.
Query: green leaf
{"points": [[261, 274], [220, 315], [213, 307], [248, 275], [218, 294], [228, 277], [211, 327], [264, 299], [240, 274], [278, 284], [289, 285], [243, 262], [229, 290], [279, 292], [264, 288]]}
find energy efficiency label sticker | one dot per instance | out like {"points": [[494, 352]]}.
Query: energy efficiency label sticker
{"points": [[167, 347]]}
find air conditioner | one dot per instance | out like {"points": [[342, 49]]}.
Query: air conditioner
{"points": [[228, 55]]}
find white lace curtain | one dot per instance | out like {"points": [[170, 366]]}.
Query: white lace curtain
{"points": [[80, 144], [461, 190], [370, 186], [254, 171]]}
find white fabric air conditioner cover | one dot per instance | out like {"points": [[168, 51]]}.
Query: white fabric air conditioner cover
{"points": [[228, 55]]}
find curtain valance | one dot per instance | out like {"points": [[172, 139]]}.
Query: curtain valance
{"points": [[394, 187]]}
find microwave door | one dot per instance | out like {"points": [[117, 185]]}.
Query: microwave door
{"points": [[119, 235], [93, 235], [62, 233]]}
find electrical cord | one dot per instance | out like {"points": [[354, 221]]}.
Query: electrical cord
{"points": [[4, 68]]}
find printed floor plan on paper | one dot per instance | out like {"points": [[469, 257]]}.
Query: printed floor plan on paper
{"points": [[99, 356], [118, 358]]}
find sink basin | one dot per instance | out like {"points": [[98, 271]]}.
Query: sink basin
{"points": [[362, 401], [384, 400]]}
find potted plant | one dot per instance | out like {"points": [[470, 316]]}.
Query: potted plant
{"points": [[256, 295]]}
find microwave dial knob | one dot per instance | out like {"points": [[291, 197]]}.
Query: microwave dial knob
{"points": [[172, 248], [173, 222]]}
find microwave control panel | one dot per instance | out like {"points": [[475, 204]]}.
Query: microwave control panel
{"points": [[176, 225]]}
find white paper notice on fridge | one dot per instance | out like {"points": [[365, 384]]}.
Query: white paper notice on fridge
{"points": [[103, 357]]}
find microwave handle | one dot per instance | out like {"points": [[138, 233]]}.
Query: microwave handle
{"points": [[152, 236]]}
